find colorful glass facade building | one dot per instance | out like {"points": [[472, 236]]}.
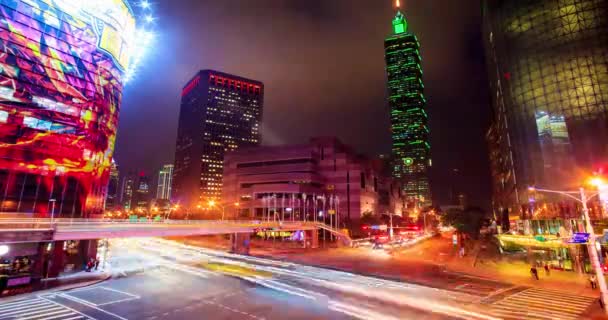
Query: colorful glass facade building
{"points": [[548, 70], [409, 120], [61, 78], [219, 112]]}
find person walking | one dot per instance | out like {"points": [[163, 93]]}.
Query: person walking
{"points": [[96, 264], [547, 269], [534, 272], [593, 281]]}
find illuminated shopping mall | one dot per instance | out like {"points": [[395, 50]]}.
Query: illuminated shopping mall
{"points": [[62, 71]]}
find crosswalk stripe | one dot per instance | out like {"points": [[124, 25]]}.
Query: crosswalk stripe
{"points": [[557, 293], [564, 305], [544, 297], [554, 291], [565, 298], [72, 318], [568, 298], [539, 309], [522, 314], [61, 316], [64, 312], [19, 303], [38, 309], [28, 311], [541, 304]]}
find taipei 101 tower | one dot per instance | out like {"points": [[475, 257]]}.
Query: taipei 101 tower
{"points": [[409, 120]]}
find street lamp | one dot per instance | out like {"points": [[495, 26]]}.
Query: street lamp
{"points": [[52, 201], [212, 204], [591, 245], [4, 249]]}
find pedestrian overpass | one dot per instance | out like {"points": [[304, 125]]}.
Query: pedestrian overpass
{"points": [[20, 230]]}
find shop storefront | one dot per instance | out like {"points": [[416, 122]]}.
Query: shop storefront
{"points": [[558, 253], [19, 266]]}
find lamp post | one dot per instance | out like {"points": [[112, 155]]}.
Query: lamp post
{"points": [[212, 204], [593, 256], [52, 201]]}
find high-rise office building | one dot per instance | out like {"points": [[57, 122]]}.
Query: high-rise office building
{"points": [[112, 198], [141, 194], [126, 194], [165, 178], [61, 80], [410, 131], [219, 112], [548, 71]]}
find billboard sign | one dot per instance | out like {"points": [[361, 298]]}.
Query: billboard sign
{"points": [[579, 237]]}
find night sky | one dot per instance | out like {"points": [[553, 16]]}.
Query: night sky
{"points": [[322, 65]]}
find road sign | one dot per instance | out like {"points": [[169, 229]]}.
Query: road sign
{"points": [[579, 237]]}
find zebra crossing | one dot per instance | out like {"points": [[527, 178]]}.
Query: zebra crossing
{"points": [[38, 309], [541, 304]]}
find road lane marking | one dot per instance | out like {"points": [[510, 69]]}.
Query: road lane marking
{"points": [[68, 297]]}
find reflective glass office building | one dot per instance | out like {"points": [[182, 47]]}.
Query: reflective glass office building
{"points": [[548, 67]]}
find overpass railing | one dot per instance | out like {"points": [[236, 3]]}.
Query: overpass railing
{"points": [[45, 223]]}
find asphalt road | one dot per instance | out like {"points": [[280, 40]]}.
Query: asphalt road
{"points": [[164, 293], [172, 286], [177, 283]]}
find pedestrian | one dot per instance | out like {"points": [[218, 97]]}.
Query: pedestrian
{"points": [[534, 272], [89, 266], [96, 263], [601, 301], [560, 262], [547, 269], [593, 281]]}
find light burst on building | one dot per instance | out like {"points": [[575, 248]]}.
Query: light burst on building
{"points": [[410, 132]]}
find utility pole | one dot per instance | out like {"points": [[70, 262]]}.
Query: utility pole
{"points": [[593, 251]]}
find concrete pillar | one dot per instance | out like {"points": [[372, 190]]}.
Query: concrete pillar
{"points": [[240, 243], [311, 240], [89, 250], [38, 268], [56, 260]]}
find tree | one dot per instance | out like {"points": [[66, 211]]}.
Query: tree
{"points": [[432, 223], [468, 221]]}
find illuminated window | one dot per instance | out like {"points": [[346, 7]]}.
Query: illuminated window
{"points": [[36, 123], [3, 116]]}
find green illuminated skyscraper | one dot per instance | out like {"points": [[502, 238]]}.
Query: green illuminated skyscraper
{"points": [[410, 132]]}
